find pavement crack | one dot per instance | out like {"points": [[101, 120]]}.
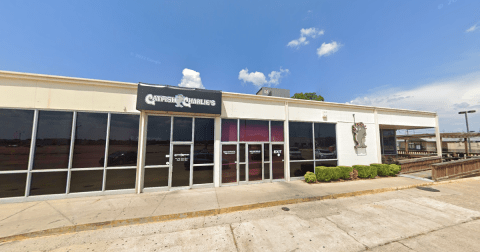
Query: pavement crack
{"points": [[233, 235], [60, 213], [20, 211], [159, 203], [366, 247]]}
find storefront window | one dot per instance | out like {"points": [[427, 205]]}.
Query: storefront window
{"points": [[301, 144], [123, 142], [203, 150], [90, 135], [86, 181], [276, 131], [229, 130], [48, 183], [182, 129], [53, 140], [253, 131], [325, 141], [298, 169], [15, 138], [158, 140], [389, 146]]}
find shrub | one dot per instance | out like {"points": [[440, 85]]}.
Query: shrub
{"points": [[394, 169], [345, 172], [382, 169], [365, 171], [354, 174], [310, 177], [327, 173]]}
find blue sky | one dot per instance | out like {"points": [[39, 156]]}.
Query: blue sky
{"points": [[421, 55]]}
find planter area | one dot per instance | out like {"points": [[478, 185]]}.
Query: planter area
{"points": [[347, 173]]}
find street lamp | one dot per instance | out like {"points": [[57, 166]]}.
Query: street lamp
{"points": [[468, 131]]}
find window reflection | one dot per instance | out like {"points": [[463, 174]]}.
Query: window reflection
{"points": [[158, 140], [53, 140], [301, 144], [182, 129], [253, 131], [298, 169], [229, 130], [276, 131], [123, 142], [48, 183], [90, 135], [12, 185], [325, 141], [15, 138], [120, 179]]}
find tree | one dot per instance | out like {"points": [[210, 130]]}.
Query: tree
{"points": [[308, 96]]}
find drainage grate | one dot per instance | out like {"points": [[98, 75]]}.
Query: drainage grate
{"points": [[285, 209], [428, 189]]}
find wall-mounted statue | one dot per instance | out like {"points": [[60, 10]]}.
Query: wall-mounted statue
{"points": [[359, 131]]}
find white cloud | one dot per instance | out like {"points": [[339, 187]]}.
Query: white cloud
{"points": [[258, 78], [327, 49], [304, 34], [191, 79], [473, 28], [446, 98]]}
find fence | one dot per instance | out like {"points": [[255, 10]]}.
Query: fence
{"points": [[418, 164], [458, 168]]}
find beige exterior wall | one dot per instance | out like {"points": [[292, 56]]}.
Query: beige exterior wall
{"points": [[33, 91], [18, 90]]}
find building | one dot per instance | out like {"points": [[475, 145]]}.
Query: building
{"points": [[70, 137]]}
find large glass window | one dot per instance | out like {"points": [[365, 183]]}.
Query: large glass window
{"points": [[15, 138], [253, 131], [203, 150], [229, 130], [389, 146], [48, 183], [90, 135], [86, 181], [325, 141], [298, 169], [276, 131], [158, 140], [182, 129], [53, 140], [301, 144], [123, 142], [12, 185]]}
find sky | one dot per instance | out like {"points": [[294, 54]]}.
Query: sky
{"points": [[420, 55]]}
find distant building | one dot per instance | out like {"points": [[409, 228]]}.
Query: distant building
{"points": [[277, 92]]}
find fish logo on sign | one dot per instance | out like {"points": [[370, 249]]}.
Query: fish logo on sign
{"points": [[179, 100]]}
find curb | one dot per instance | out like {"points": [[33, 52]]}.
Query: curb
{"points": [[211, 212]]}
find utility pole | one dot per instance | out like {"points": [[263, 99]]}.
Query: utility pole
{"points": [[468, 131]]}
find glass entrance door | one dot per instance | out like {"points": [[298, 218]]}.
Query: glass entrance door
{"points": [[181, 165], [255, 162]]}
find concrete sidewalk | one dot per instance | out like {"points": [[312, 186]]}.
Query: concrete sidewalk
{"points": [[88, 213]]}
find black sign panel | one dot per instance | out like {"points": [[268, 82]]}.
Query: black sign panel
{"points": [[177, 99]]}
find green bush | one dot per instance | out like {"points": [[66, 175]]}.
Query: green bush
{"points": [[365, 171], [345, 171], [327, 173], [310, 177], [382, 169], [394, 169]]}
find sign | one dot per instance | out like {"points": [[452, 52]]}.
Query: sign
{"points": [[177, 99]]}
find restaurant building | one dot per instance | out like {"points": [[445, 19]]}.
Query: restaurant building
{"points": [[71, 137]]}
